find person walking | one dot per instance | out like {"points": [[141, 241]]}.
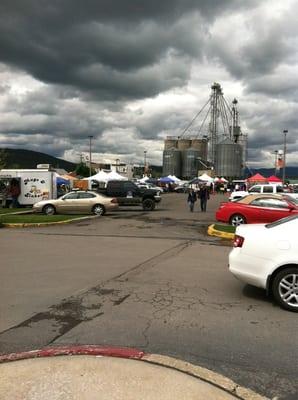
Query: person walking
{"points": [[191, 199], [204, 197]]}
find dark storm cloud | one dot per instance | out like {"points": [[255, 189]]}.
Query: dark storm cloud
{"points": [[102, 47]]}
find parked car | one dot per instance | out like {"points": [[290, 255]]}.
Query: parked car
{"points": [[257, 189], [260, 208], [183, 188], [266, 256], [79, 202]]}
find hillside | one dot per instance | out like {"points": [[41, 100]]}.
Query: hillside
{"points": [[19, 158]]}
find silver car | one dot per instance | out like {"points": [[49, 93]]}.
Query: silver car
{"points": [[79, 202]]}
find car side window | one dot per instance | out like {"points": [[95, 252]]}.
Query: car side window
{"points": [[271, 203], [279, 189], [86, 195], [71, 196], [255, 189], [268, 189]]}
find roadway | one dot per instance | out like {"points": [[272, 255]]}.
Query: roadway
{"points": [[152, 281]]}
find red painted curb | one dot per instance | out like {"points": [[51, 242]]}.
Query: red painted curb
{"points": [[89, 350]]}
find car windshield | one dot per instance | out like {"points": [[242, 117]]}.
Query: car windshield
{"points": [[291, 200], [281, 221]]}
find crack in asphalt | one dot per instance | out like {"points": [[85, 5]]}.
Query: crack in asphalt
{"points": [[45, 327]]}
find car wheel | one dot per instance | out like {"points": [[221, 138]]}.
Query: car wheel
{"points": [[98, 209], [148, 205], [285, 288], [49, 209], [237, 219]]}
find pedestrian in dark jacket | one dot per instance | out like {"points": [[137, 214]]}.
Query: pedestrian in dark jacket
{"points": [[204, 197], [191, 199]]}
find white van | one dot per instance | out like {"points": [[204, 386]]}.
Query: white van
{"points": [[257, 189]]}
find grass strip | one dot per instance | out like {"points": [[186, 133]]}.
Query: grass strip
{"points": [[4, 211], [36, 218], [225, 228]]}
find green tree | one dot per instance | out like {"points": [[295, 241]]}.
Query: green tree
{"points": [[3, 158], [83, 170]]}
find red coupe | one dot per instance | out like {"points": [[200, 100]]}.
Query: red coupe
{"points": [[253, 209]]}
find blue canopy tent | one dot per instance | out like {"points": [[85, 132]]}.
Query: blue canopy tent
{"points": [[166, 179], [61, 181]]}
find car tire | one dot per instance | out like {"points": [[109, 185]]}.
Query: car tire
{"points": [[98, 209], [237, 219], [49, 209], [285, 288], [148, 205]]}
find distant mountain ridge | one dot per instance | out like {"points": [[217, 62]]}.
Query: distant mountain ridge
{"points": [[291, 172], [27, 159]]}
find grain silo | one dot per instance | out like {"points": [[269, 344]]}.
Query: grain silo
{"points": [[170, 142], [183, 144], [190, 158], [202, 146], [229, 159], [172, 162]]}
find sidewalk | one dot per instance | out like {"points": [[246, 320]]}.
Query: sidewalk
{"points": [[109, 373]]}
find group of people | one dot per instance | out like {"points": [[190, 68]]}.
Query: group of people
{"points": [[202, 194]]}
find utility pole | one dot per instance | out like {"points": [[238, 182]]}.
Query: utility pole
{"points": [[145, 162], [275, 162], [90, 139], [285, 151]]}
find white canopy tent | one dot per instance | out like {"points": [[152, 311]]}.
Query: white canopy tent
{"points": [[114, 176], [101, 176], [144, 179], [174, 178], [206, 178]]}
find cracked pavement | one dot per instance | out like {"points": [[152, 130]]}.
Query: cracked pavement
{"points": [[152, 281]]}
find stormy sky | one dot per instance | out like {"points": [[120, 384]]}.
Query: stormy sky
{"points": [[131, 72]]}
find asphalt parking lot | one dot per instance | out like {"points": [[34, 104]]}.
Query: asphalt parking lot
{"points": [[153, 281]]}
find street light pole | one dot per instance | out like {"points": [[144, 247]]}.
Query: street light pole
{"points": [[285, 151], [275, 162], [90, 153], [145, 162]]}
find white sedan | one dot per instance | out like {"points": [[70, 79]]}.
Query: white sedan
{"points": [[266, 256]]}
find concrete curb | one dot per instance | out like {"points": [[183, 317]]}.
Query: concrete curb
{"points": [[224, 235], [216, 380], [41, 224]]}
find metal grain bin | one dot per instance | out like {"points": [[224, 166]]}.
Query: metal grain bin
{"points": [[228, 159], [171, 162], [190, 163]]}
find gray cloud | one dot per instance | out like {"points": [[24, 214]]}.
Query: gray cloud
{"points": [[92, 60]]}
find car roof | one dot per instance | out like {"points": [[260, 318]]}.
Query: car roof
{"points": [[250, 197]]}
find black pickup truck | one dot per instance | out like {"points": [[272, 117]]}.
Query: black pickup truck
{"points": [[129, 194]]}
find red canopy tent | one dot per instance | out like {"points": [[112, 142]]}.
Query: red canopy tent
{"points": [[273, 179], [257, 178]]}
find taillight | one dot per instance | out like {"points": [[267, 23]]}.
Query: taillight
{"points": [[114, 201], [238, 241]]}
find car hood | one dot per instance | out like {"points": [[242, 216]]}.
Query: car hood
{"points": [[43, 202]]}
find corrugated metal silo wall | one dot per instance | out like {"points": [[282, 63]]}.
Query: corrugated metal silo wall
{"points": [[190, 163], [228, 161], [202, 146], [171, 162]]}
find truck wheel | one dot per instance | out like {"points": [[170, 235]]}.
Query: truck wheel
{"points": [[49, 209], [98, 209], [148, 205]]}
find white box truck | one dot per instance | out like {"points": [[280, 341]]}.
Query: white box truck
{"points": [[35, 184]]}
